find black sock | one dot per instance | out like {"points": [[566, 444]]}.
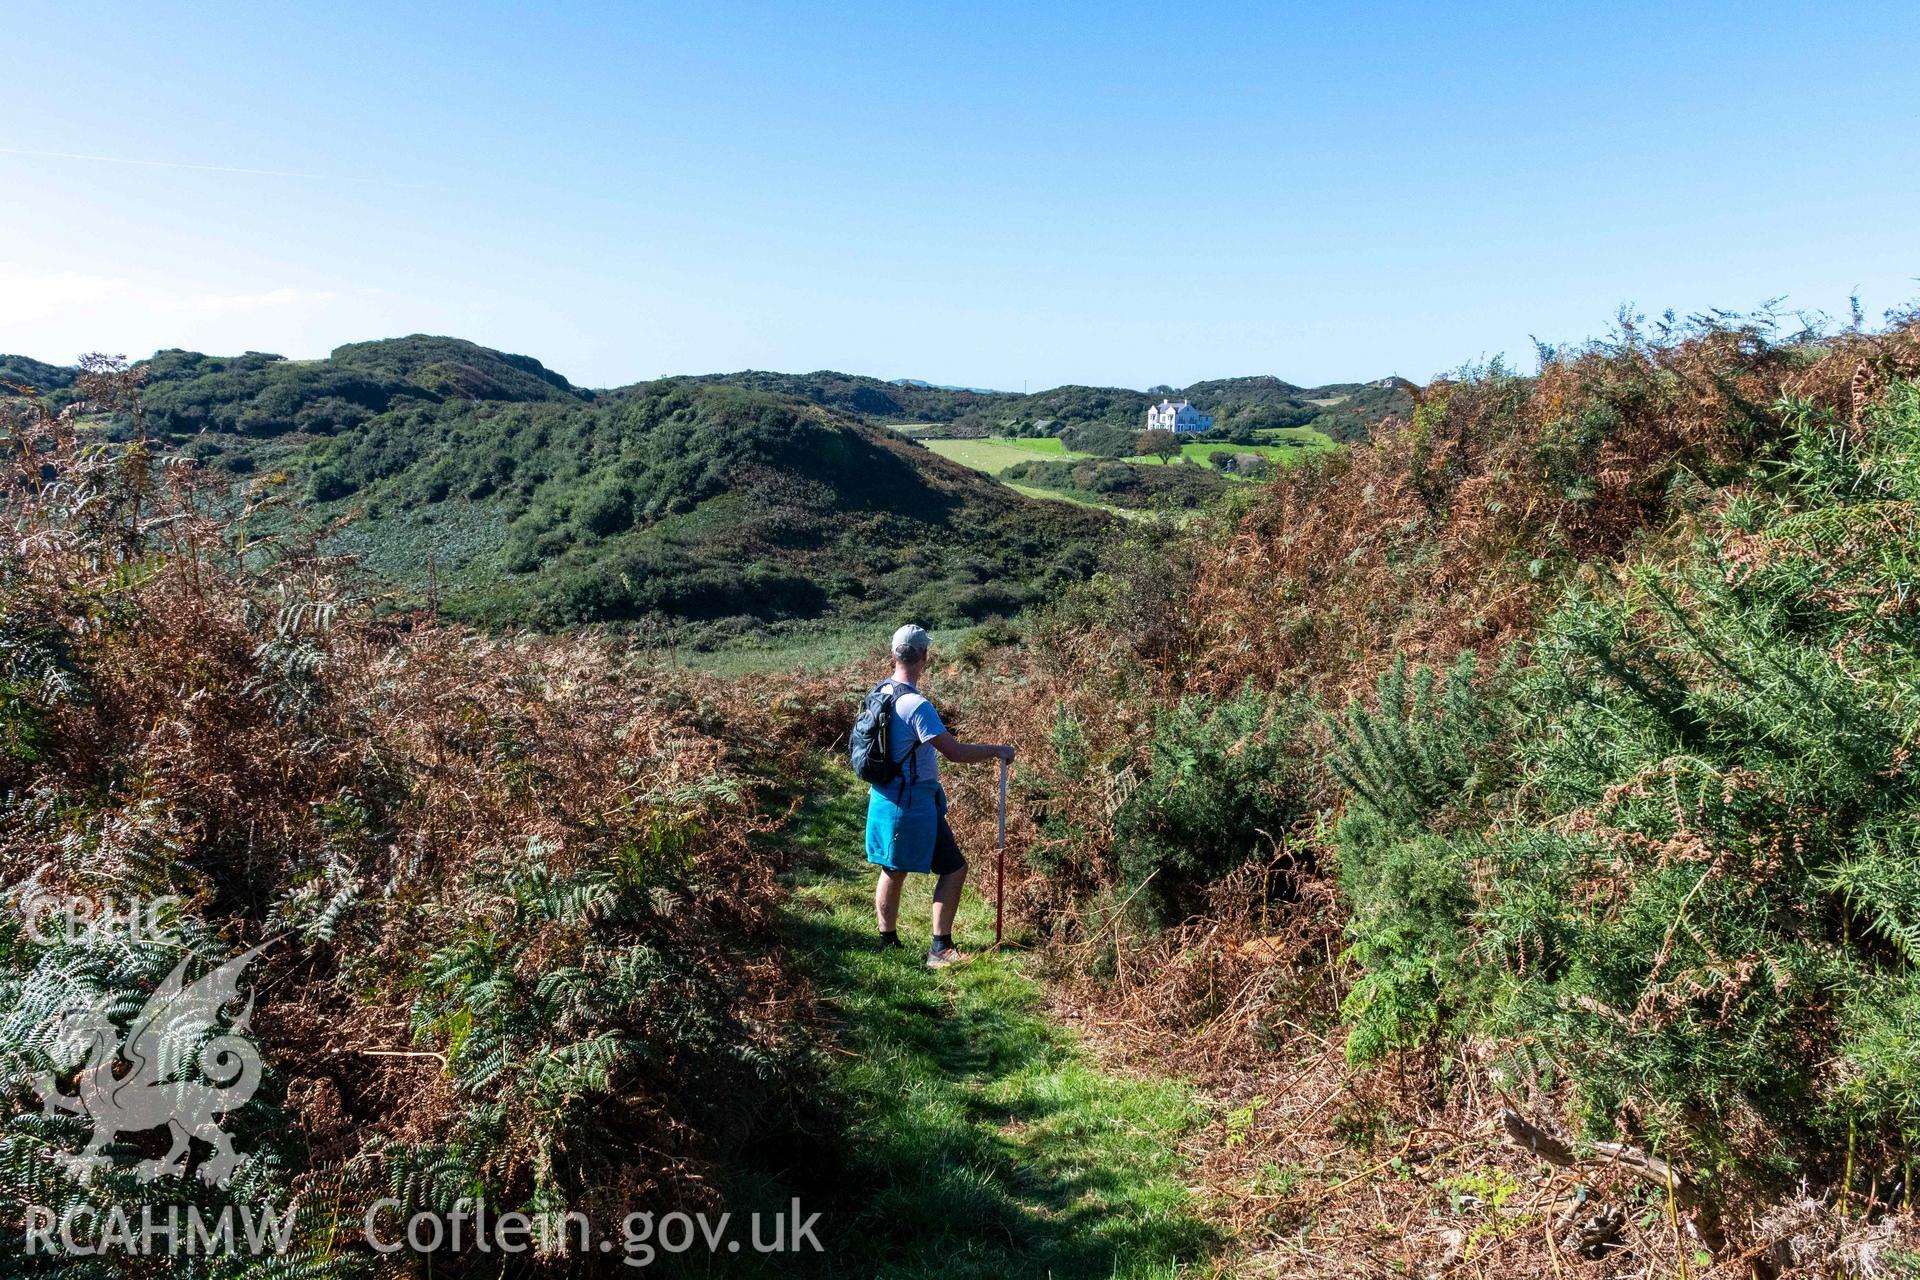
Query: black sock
{"points": [[889, 938], [941, 942]]}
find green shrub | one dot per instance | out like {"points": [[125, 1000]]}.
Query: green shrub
{"points": [[605, 509], [1423, 763], [1703, 905], [995, 633], [327, 485], [1412, 909], [1225, 780]]}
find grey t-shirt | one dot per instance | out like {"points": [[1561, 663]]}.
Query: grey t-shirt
{"points": [[915, 720]]}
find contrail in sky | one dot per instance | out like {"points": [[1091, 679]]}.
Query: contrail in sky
{"points": [[203, 168]]}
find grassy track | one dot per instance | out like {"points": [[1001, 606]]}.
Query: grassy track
{"points": [[1057, 495], [986, 1143]]}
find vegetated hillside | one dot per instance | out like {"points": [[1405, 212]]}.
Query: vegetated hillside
{"points": [[1343, 410], [894, 403], [1550, 753], [1124, 484], [690, 501], [515, 497], [26, 372], [260, 395], [516, 945], [1242, 408]]}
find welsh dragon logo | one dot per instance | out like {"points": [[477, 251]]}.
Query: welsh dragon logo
{"points": [[147, 1081]]}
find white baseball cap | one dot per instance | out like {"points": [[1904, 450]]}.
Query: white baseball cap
{"points": [[910, 639]]}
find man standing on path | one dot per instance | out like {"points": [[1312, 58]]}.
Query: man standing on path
{"points": [[907, 827]]}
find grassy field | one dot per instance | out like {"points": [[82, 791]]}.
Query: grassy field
{"points": [[1280, 452], [995, 454], [983, 1142], [811, 650]]}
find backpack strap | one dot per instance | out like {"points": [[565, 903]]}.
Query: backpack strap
{"points": [[910, 758], [897, 686]]}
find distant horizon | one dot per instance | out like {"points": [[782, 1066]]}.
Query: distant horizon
{"points": [[551, 367], [1784, 313]]}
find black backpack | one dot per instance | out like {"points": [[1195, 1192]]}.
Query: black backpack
{"points": [[870, 749]]}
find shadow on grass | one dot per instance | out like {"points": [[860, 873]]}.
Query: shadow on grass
{"points": [[974, 1138]]}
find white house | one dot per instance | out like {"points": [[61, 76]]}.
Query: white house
{"points": [[1177, 418]]}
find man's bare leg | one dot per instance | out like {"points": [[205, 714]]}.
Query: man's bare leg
{"points": [[886, 898], [946, 901]]}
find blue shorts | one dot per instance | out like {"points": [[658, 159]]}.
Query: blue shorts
{"points": [[910, 832]]}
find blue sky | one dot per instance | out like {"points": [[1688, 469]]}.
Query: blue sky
{"points": [[993, 194]]}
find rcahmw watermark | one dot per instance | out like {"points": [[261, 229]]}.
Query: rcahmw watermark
{"points": [[173, 1230]]}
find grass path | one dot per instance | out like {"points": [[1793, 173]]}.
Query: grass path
{"points": [[986, 1143]]}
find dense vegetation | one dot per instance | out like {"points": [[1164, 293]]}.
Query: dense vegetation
{"points": [[1539, 767], [1579, 707], [510, 496], [713, 506], [266, 395], [23, 373], [693, 502], [516, 942], [1709, 870], [891, 403], [1243, 408]]}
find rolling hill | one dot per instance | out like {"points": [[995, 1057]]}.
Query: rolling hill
{"points": [[24, 371], [518, 498], [726, 500], [261, 395], [702, 502]]}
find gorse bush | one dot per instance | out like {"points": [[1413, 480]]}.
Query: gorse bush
{"points": [[1703, 901], [1425, 761], [1223, 783], [1711, 917], [1425, 756]]}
